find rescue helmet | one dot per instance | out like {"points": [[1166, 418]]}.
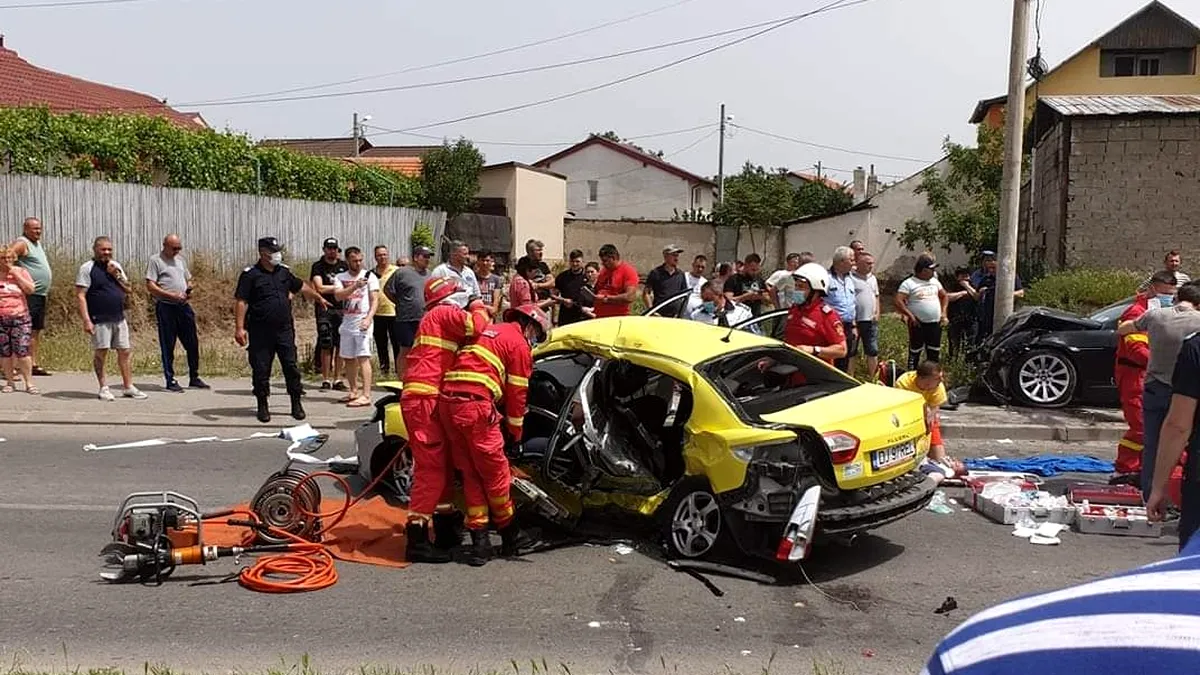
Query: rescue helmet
{"points": [[527, 314], [439, 289], [816, 276]]}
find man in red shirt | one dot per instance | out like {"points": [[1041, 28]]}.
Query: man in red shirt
{"points": [[489, 375], [444, 329], [812, 326], [617, 285]]}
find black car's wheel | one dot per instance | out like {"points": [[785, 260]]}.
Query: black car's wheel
{"points": [[400, 480], [692, 523], [1044, 378]]}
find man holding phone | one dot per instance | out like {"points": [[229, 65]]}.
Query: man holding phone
{"points": [[169, 282]]}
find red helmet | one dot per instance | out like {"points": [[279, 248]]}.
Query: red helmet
{"points": [[438, 289], [530, 312]]}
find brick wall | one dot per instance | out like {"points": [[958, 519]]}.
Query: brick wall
{"points": [[1134, 192], [1041, 230]]}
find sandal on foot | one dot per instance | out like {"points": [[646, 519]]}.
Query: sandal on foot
{"points": [[360, 402], [32, 390], [7, 389]]}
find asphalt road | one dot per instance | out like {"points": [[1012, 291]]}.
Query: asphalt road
{"points": [[588, 607]]}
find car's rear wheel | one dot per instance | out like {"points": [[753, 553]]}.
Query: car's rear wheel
{"points": [[1044, 378], [401, 475], [692, 523]]}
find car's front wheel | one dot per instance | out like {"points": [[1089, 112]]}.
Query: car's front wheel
{"points": [[692, 523], [1044, 378], [400, 476]]}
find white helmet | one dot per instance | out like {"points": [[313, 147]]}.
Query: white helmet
{"points": [[816, 276]]}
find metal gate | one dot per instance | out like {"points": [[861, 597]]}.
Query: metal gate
{"points": [[726, 244]]}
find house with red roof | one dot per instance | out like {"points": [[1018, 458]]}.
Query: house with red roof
{"points": [[607, 180], [23, 84], [405, 159]]}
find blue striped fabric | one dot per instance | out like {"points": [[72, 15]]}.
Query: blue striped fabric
{"points": [[1146, 620]]}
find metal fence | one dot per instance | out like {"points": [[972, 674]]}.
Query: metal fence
{"points": [[223, 226]]}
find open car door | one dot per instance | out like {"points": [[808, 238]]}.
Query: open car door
{"points": [[769, 325], [678, 306]]}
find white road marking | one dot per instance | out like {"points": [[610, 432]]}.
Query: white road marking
{"points": [[89, 508]]}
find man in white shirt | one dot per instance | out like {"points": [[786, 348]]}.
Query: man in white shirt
{"points": [[780, 284], [458, 269], [358, 290], [1172, 261], [866, 301], [717, 309], [696, 279], [922, 303]]}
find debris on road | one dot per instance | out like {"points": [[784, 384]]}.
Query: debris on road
{"points": [[949, 605], [622, 549], [938, 504]]}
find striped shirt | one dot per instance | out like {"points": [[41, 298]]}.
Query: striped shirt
{"points": [[1141, 621], [1180, 279]]}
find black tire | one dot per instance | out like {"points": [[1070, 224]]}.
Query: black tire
{"points": [[1043, 378], [400, 480], [691, 522]]}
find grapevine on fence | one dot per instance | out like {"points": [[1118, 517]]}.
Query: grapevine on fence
{"points": [[152, 151]]}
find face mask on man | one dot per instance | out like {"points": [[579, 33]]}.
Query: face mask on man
{"points": [[710, 306], [276, 258], [798, 297], [1164, 300]]}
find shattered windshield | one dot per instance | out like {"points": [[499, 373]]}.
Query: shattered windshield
{"points": [[766, 381]]}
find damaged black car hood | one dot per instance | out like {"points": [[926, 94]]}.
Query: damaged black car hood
{"points": [[1042, 319]]}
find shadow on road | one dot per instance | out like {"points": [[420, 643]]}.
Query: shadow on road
{"points": [[215, 414], [70, 395]]}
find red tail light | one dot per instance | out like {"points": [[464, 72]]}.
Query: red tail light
{"points": [[843, 447]]}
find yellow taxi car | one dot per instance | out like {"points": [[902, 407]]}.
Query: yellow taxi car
{"points": [[719, 435]]}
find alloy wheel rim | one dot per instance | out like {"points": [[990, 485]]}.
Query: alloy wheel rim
{"points": [[696, 524], [1044, 378]]}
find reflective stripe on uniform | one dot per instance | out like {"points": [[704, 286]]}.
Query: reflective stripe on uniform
{"points": [[518, 381], [469, 325], [419, 388], [1138, 337], [515, 421], [489, 356], [431, 341], [477, 378], [1126, 443]]}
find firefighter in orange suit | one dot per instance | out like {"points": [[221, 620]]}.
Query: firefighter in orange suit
{"points": [[1129, 372], [443, 330], [490, 375]]}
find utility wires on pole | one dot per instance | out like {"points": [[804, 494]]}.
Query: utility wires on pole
{"points": [[1010, 182], [357, 134], [721, 158]]}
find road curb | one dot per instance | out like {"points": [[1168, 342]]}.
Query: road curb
{"points": [[47, 418], [1033, 432]]}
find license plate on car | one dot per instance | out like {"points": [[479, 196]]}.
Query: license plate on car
{"points": [[882, 459]]}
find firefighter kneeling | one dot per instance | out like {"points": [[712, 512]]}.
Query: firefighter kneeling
{"points": [[491, 373]]}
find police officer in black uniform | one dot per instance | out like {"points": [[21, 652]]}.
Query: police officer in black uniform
{"points": [[264, 316]]}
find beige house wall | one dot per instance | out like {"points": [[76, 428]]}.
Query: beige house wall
{"points": [[541, 206]]}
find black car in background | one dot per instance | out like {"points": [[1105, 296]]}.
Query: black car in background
{"points": [[1047, 358]]}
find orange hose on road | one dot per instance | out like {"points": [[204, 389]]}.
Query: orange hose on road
{"points": [[307, 565]]}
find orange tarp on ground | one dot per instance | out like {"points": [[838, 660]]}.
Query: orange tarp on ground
{"points": [[372, 532]]}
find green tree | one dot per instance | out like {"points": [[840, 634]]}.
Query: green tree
{"points": [[450, 176], [755, 198], [966, 201], [818, 199]]}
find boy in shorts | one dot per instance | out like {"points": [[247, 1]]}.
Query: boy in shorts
{"points": [[926, 380]]}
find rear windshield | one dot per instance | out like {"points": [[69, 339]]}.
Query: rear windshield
{"points": [[766, 381]]}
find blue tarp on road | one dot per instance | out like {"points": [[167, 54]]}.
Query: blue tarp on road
{"points": [[1043, 465]]}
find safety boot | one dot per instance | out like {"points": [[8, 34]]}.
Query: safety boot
{"points": [[264, 410], [481, 548], [297, 409], [418, 549], [446, 534], [513, 540]]}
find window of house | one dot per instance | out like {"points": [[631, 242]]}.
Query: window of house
{"points": [[1115, 63], [593, 191], [696, 203]]}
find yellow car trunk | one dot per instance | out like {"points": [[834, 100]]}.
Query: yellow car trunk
{"points": [[884, 420]]}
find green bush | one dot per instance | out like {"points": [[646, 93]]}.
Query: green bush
{"points": [[152, 151], [422, 235], [1083, 290]]}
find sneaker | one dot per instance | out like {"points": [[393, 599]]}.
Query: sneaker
{"points": [[339, 386], [174, 386], [134, 392], [198, 383], [106, 394], [326, 386]]}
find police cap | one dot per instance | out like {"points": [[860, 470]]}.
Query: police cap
{"points": [[270, 243]]}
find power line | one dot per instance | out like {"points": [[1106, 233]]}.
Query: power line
{"points": [[476, 78], [685, 148], [828, 147], [464, 59], [546, 144], [838, 4], [68, 3]]}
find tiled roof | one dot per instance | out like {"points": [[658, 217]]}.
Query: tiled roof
{"points": [[24, 84], [808, 177], [321, 147], [625, 149], [409, 166], [398, 150], [1085, 106]]}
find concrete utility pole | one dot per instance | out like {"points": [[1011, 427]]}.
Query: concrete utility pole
{"points": [[1010, 182], [721, 160], [818, 170], [357, 135]]}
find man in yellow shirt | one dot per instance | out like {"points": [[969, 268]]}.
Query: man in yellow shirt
{"points": [[926, 380], [387, 334]]}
